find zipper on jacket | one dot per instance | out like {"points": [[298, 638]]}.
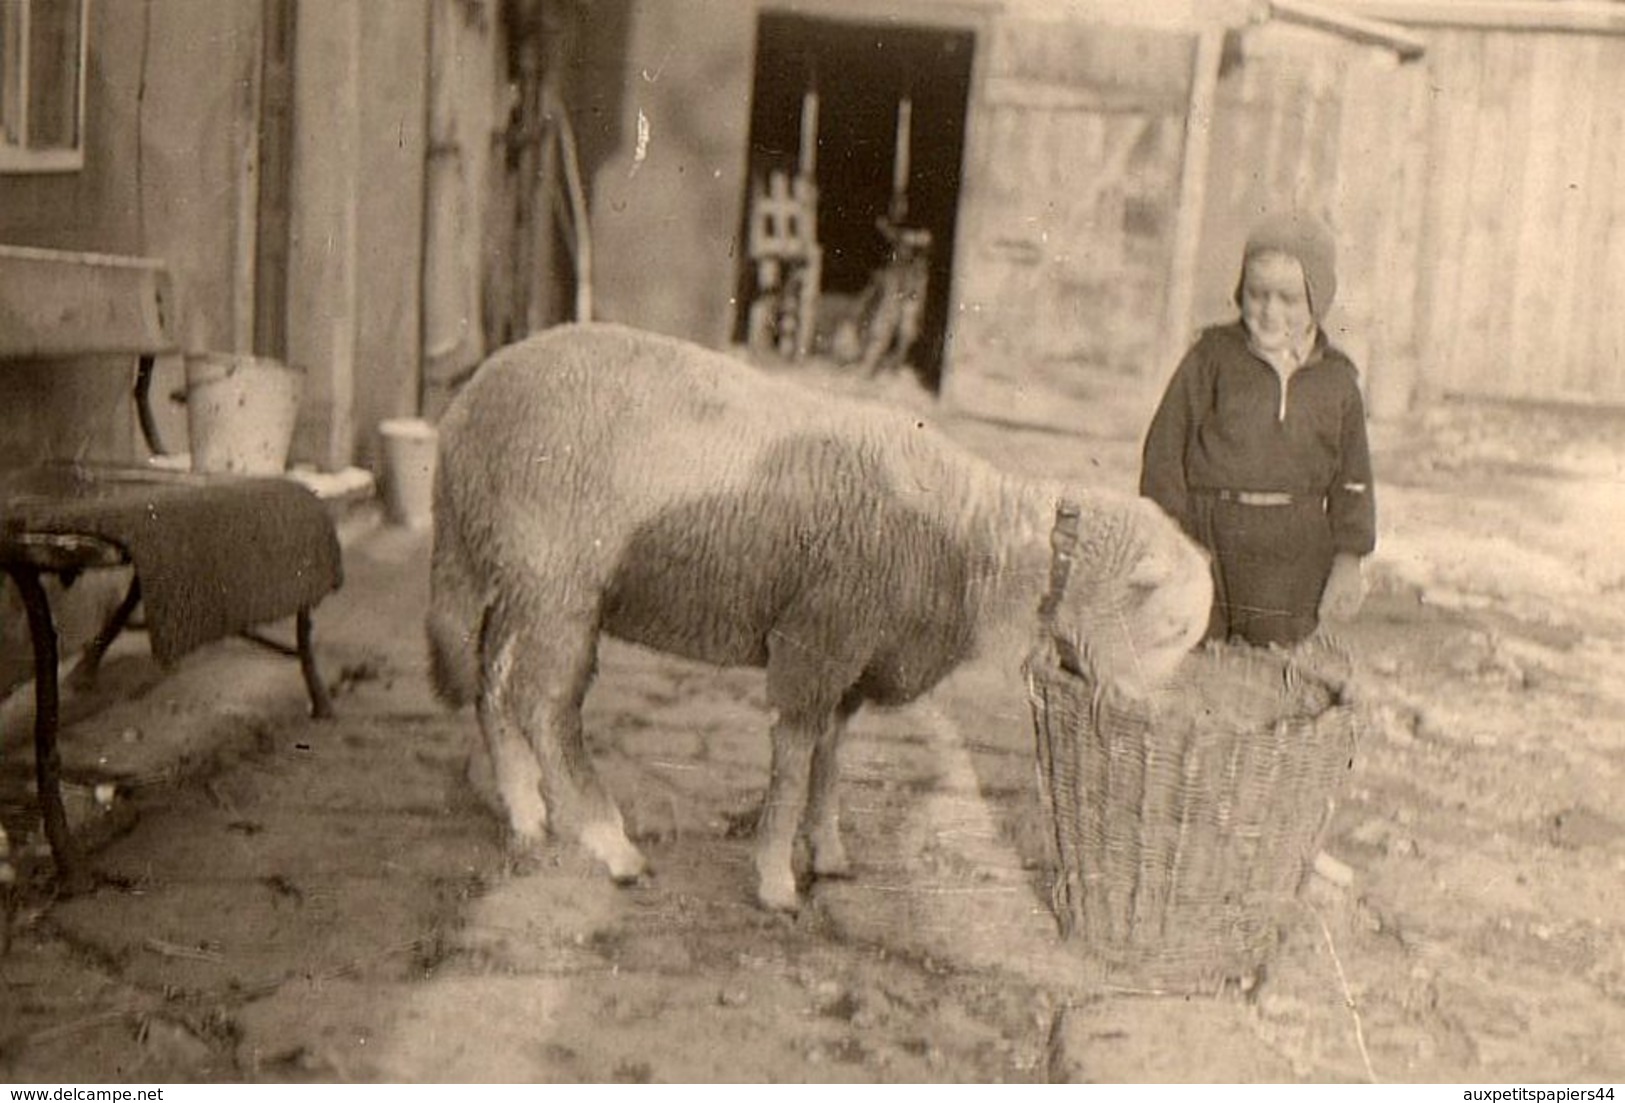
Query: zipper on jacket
{"points": [[1282, 381]]}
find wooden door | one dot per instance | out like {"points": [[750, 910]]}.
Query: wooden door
{"points": [[1071, 194]]}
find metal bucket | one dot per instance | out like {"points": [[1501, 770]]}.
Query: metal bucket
{"points": [[240, 412]]}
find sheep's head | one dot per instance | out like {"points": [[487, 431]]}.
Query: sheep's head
{"points": [[1137, 595]]}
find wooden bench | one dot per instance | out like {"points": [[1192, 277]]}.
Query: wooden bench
{"points": [[56, 519]]}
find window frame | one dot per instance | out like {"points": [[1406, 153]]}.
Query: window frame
{"points": [[20, 159]]}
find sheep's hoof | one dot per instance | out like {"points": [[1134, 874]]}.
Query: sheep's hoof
{"points": [[778, 895], [608, 843], [829, 861], [632, 873]]}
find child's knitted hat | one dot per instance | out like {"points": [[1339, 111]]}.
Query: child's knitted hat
{"points": [[1306, 239]]}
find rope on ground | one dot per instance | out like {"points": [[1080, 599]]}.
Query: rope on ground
{"points": [[1348, 996]]}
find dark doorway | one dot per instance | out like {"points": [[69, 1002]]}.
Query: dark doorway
{"points": [[861, 72]]}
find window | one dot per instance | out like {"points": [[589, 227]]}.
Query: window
{"points": [[42, 85]]}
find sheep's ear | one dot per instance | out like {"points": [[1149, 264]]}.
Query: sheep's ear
{"points": [[1150, 571]]}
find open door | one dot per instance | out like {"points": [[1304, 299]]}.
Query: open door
{"points": [[883, 106]]}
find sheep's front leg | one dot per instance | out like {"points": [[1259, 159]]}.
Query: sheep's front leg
{"points": [[808, 676], [823, 816], [793, 741]]}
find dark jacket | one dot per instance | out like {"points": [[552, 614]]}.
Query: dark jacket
{"points": [[1223, 425]]}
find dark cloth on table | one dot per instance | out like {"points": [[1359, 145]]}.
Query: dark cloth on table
{"points": [[215, 555]]}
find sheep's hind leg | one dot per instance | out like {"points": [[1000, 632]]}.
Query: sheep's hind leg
{"points": [[554, 668], [515, 775]]}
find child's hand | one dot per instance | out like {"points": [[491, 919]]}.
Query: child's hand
{"points": [[1345, 589]]}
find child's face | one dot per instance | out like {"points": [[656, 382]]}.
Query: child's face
{"points": [[1275, 301]]}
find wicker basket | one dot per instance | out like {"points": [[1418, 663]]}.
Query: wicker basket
{"points": [[1183, 824]]}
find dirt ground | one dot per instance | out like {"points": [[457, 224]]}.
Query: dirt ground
{"points": [[330, 902]]}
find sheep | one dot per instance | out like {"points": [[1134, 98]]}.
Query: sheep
{"points": [[597, 479]]}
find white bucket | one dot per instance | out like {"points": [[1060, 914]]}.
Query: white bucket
{"points": [[409, 451], [240, 412]]}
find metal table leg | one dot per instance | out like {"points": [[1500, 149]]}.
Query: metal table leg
{"points": [[47, 719], [91, 658], [321, 705]]}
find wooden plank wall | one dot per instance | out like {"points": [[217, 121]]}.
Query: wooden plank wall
{"points": [[1097, 288], [1478, 196], [1311, 121], [1377, 209], [1523, 238], [1069, 198], [1276, 121]]}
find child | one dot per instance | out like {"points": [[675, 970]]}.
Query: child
{"points": [[1259, 448]]}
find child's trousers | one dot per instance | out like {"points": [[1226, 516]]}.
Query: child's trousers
{"points": [[1270, 564]]}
